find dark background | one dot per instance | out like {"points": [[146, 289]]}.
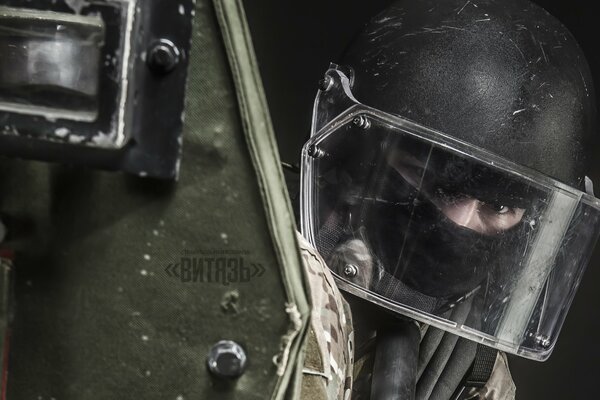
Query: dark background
{"points": [[295, 41]]}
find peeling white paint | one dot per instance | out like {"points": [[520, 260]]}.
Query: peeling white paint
{"points": [[76, 139], [62, 132]]}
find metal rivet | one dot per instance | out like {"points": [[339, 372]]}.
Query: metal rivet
{"points": [[362, 122], [350, 270], [315, 152], [227, 360], [326, 83], [543, 341], [163, 56]]}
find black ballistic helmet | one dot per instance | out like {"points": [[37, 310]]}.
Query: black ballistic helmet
{"points": [[503, 75]]}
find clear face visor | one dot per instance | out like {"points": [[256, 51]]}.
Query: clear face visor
{"points": [[440, 231]]}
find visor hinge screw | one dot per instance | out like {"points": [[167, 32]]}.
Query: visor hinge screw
{"points": [[227, 360], [315, 152], [350, 270], [326, 83], [362, 122], [543, 341]]}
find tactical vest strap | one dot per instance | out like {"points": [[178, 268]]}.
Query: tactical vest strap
{"points": [[480, 373]]}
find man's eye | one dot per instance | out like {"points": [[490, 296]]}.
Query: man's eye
{"points": [[500, 209]]}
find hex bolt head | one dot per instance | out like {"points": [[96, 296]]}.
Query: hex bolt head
{"points": [[350, 270], [543, 341], [227, 360], [163, 56]]}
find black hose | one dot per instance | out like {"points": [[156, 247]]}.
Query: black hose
{"points": [[396, 357]]}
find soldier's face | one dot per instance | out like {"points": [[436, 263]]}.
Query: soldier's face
{"points": [[482, 216]]}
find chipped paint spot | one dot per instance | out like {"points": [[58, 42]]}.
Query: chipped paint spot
{"points": [[181, 9], [517, 47], [544, 52], [143, 272], [230, 302], [587, 92], [62, 132], [104, 140], [147, 257], [76, 139], [463, 7]]}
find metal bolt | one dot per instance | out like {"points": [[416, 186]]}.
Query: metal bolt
{"points": [[326, 83], [350, 270], [543, 341], [227, 360], [362, 122], [163, 56], [315, 152]]}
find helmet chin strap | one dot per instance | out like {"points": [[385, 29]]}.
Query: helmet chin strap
{"points": [[396, 361]]}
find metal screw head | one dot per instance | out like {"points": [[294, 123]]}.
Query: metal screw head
{"points": [[163, 56], [350, 270], [315, 152], [543, 341], [326, 83], [227, 360], [362, 122]]}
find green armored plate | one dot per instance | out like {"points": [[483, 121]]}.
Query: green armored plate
{"points": [[114, 295]]}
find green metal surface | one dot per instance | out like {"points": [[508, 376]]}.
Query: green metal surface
{"points": [[98, 316]]}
